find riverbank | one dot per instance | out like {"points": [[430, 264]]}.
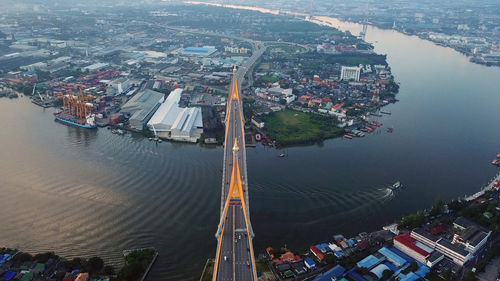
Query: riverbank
{"points": [[358, 257], [46, 266], [439, 39]]}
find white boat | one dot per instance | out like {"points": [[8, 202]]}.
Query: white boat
{"points": [[396, 185]]}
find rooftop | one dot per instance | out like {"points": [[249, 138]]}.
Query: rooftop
{"points": [[453, 247], [409, 242]]}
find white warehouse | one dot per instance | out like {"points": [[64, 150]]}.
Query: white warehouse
{"points": [[176, 123]]}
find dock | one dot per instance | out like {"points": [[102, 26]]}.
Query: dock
{"points": [[485, 188]]}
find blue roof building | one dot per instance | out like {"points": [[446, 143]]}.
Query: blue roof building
{"points": [[369, 262], [335, 273], [309, 263], [392, 257], [9, 275], [409, 277]]}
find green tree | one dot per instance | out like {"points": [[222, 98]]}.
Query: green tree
{"points": [[437, 207], [60, 275], [109, 270], [44, 257], [95, 265], [23, 257], [386, 274], [413, 220], [470, 276], [130, 272]]}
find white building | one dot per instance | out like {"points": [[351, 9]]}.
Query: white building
{"points": [[350, 73], [176, 123], [119, 86], [95, 66], [456, 252], [472, 235]]}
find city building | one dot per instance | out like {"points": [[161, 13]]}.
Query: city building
{"points": [[412, 247], [317, 253], [176, 123], [309, 263], [82, 277], [424, 237], [199, 51], [95, 66], [456, 252], [434, 258], [350, 73], [118, 86], [257, 122], [141, 107], [471, 235]]}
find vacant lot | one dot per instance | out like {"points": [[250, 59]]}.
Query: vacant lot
{"points": [[289, 127]]}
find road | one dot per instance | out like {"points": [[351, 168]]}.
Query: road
{"points": [[235, 259]]}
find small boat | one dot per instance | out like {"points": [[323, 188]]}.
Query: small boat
{"points": [[390, 130], [159, 140], [347, 136], [385, 112], [496, 162], [282, 155], [498, 155], [396, 185], [120, 132]]}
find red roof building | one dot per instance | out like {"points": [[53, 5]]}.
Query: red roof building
{"points": [[317, 253], [409, 246], [437, 229]]}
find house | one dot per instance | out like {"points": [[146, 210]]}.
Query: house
{"points": [[310, 264]]}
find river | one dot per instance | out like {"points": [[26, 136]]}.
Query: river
{"points": [[85, 193]]}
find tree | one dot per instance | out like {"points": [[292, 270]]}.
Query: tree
{"points": [[60, 275], [330, 259], [387, 274], [23, 257], [412, 221], [130, 272], [95, 265], [44, 257], [109, 270], [77, 263], [456, 205], [470, 276], [437, 208]]}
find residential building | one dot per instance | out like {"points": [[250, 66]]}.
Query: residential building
{"points": [[309, 263]]}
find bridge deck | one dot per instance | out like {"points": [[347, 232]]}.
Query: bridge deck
{"points": [[234, 258]]}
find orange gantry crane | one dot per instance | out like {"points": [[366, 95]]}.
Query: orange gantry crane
{"points": [[78, 105]]}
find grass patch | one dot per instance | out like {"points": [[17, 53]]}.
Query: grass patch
{"points": [[289, 127]]}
